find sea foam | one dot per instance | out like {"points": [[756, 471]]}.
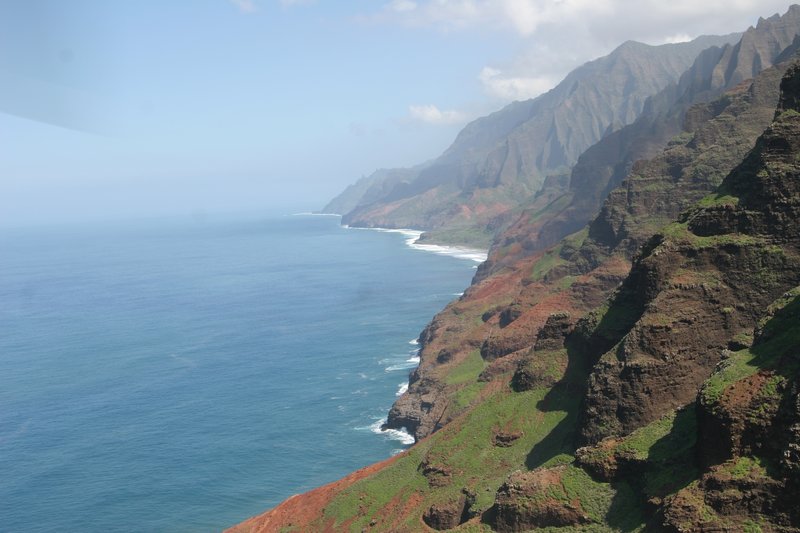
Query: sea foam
{"points": [[402, 389], [412, 237], [400, 435]]}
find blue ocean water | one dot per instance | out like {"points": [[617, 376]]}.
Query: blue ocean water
{"points": [[183, 375]]}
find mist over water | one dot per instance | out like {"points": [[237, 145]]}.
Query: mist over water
{"points": [[182, 376]]}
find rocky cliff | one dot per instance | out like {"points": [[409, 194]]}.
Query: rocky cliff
{"points": [[601, 167], [500, 159], [508, 308], [662, 338]]}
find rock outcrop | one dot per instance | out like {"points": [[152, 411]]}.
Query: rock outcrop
{"points": [[605, 164], [498, 161], [579, 273], [702, 283], [663, 339]]}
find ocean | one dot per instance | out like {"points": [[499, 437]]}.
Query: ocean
{"points": [[185, 374]]}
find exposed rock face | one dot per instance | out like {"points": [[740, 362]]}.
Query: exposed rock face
{"points": [[442, 517], [703, 327], [748, 420], [702, 283], [587, 267], [501, 159], [605, 164], [370, 189], [419, 413], [525, 502]]}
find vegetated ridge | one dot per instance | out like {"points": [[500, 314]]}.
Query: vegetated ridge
{"points": [[640, 374], [498, 160]]}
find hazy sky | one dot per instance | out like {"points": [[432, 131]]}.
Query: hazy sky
{"points": [[149, 107]]}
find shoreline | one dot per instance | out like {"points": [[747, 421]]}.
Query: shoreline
{"points": [[411, 240], [476, 255], [412, 236]]}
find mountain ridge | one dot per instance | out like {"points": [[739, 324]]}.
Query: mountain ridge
{"points": [[498, 159], [640, 373], [510, 461]]}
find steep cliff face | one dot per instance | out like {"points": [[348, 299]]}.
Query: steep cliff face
{"points": [[726, 273], [664, 336], [503, 158], [701, 284], [370, 189], [603, 166], [507, 310], [748, 438]]}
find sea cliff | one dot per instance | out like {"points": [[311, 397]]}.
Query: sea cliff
{"points": [[640, 373]]}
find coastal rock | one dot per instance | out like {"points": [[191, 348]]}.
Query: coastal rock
{"points": [[523, 503], [580, 273], [505, 439], [687, 300], [695, 293], [437, 475], [451, 514]]}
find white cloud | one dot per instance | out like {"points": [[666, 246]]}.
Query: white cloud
{"points": [[245, 6], [555, 36], [506, 87], [433, 115], [402, 5], [651, 20], [677, 38], [250, 6]]}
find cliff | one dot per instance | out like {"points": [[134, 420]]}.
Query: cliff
{"points": [[683, 385], [502, 159], [640, 373], [605, 164], [508, 306]]}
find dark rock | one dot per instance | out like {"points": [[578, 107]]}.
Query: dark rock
{"points": [[444, 356], [522, 503], [555, 330], [437, 475], [696, 295], [509, 315], [451, 514], [505, 439]]}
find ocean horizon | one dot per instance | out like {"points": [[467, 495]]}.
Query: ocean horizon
{"points": [[183, 375]]}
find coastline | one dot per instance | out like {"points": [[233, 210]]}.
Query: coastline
{"points": [[412, 237], [412, 241], [477, 255], [460, 252]]}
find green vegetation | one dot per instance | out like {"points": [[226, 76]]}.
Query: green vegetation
{"points": [[559, 255], [641, 442], [574, 241], [678, 232], [681, 139], [738, 366], [464, 396], [780, 334], [665, 449], [546, 364], [743, 467], [751, 527], [467, 370], [465, 448], [371, 494], [787, 114], [473, 236], [718, 199], [546, 263]]}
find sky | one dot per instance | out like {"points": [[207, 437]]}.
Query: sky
{"points": [[112, 109]]}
